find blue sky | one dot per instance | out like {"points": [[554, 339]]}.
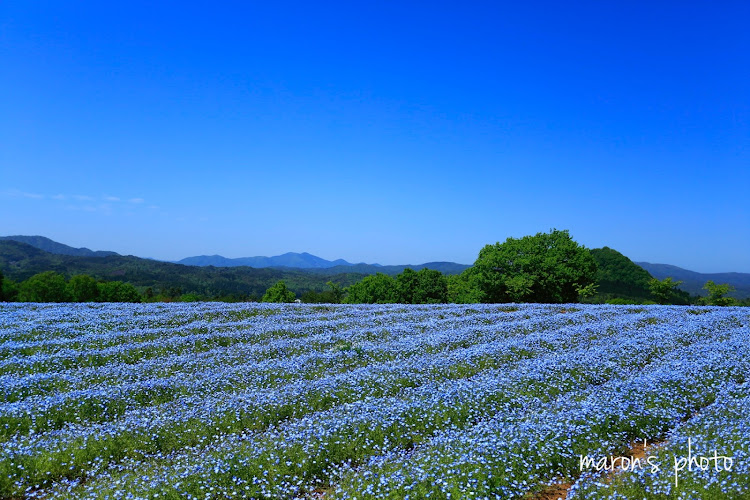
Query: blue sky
{"points": [[386, 132]]}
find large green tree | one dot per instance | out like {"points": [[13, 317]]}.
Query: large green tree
{"points": [[548, 267], [331, 296], [375, 289], [336, 292], [48, 286], [82, 288], [279, 293], [619, 278], [717, 292], [426, 286], [117, 291], [463, 288], [10, 290], [664, 290]]}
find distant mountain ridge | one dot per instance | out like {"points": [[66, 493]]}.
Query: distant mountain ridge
{"points": [[288, 261], [443, 267], [302, 260], [692, 282], [19, 261], [312, 263], [48, 245]]}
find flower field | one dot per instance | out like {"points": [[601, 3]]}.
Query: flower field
{"points": [[372, 401]]}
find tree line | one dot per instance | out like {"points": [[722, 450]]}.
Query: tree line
{"points": [[544, 268], [50, 286]]}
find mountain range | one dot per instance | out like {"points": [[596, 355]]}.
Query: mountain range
{"points": [[19, 261], [289, 260], [255, 273], [312, 263], [54, 247], [302, 260], [692, 282]]}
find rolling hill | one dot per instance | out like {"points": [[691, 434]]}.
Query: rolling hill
{"points": [[20, 261], [313, 263], [302, 260], [287, 261], [54, 247], [619, 277], [23, 256], [693, 282]]}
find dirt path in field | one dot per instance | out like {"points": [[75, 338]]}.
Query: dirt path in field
{"points": [[559, 491]]}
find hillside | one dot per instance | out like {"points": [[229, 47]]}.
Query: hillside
{"points": [[302, 260], [23, 256], [620, 277], [312, 263], [50, 246], [288, 261], [20, 261], [693, 282], [443, 267]]}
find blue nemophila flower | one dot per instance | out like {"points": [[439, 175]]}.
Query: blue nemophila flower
{"points": [[217, 400]]}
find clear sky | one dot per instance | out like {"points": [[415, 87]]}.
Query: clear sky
{"points": [[389, 132]]}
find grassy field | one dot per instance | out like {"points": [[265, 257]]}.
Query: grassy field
{"points": [[219, 400]]}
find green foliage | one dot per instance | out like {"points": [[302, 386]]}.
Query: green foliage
{"points": [[117, 291], [336, 291], [48, 286], [172, 293], [226, 284], [279, 293], [425, 286], [332, 296], [663, 291], [406, 285], [377, 289], [548, 267], [315, 297], [82, 288], [237, 297], [620, 301], [10, 290], [716, 294], [190, 297], [432, 287], [588, 291], [619, 277], [463, 288], [693, 283]]}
